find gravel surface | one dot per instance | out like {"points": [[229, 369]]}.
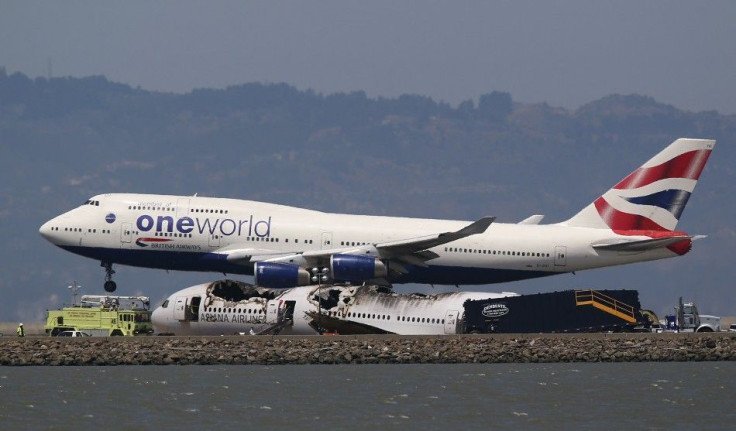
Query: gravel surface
{"points": [[369, 349]]}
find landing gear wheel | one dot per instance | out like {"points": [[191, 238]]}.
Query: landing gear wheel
{"points": [[110, 286]]}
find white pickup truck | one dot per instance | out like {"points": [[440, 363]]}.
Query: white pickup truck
{"points": [[73, 334]]}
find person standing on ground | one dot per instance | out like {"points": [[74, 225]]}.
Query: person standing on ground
{"points": [[20, 331]]}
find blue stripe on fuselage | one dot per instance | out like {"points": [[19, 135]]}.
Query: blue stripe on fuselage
{"points": [[464, 275], [211, 262], [174, 260]]}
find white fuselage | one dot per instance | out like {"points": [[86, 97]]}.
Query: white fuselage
{"points": [[193, 233], [344, 309]]}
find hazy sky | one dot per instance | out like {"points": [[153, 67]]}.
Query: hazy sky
{"points": [[565, 53]]}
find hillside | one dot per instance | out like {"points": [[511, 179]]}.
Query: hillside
{"points": [[66, 139]]}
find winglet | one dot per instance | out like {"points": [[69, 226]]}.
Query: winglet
{"points": [[411, 245], [479, 226]]}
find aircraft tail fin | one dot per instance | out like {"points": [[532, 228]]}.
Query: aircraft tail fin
{"points": [[654, 195]]}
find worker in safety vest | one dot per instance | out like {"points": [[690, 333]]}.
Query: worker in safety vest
{"points": [[20, 331]]}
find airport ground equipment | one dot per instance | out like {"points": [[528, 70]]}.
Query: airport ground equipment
{"points": [[687, 319], [101, 315], [565, 311]]}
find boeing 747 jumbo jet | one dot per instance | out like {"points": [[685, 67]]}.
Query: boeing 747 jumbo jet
{"points": [[285, 246]]}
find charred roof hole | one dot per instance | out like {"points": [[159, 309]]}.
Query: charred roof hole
{"points": [[384, 289], [328, 298], [236, 291]]}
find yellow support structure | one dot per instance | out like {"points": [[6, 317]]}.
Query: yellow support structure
{"points": [[605, 303]]}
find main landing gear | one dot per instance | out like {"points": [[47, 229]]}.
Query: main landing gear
{"points": [[110, 285]]}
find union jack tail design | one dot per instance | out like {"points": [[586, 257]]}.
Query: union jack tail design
{"points": [[652, 197]]}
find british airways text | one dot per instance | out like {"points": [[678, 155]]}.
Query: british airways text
{"points": [[226, 226]]}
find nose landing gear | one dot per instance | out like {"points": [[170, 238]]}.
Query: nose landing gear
{"points": [[110, 285]]}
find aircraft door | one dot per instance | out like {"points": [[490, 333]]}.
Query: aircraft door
{"points": [[82, 234], [180, 308], [560, 255], [214, 240], [182, 208], [326, 240], [289, 311], [451, 322], [272, 312], [193, 309], [126, 233]]}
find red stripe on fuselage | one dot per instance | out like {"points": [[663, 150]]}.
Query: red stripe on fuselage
{"points": [[155, 239], [687, 165]]}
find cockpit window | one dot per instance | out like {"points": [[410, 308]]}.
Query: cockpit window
{"points": [[165, 304], [91, 202]]}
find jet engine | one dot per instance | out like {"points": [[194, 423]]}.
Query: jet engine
{"points": [[352, 267], [279, 275]]}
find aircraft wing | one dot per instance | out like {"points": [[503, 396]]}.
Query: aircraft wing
{"points": [[641, 245], [412, 245], [411, 250]]}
